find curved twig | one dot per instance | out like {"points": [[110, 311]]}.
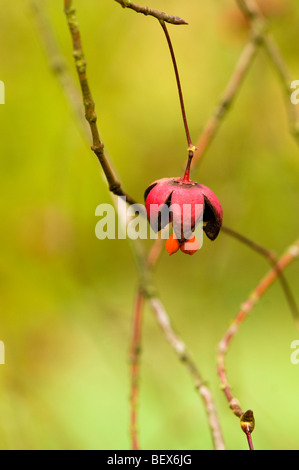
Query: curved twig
{"points": [[291, 254]]}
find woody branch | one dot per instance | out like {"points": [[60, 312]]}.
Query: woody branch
{"points": [[258, 25], [224, 107], [291, 254], [89, 105], [159, 15], [145, 281]]}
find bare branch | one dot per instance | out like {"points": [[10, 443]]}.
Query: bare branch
{"points": [[211, 128], [272, 258], [144, 265], [258, 24], [291, 254], [180, 349], [90, 114], [59, 65], [134, 359], [147, 289], [160, 15], [270, 255], [258, 37]]}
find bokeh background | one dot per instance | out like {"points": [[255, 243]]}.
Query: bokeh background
{"points": [[67, 298]]}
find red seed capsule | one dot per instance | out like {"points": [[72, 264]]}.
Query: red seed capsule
{"points": [[184, 203]]}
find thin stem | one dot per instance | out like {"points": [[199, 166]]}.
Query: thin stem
{"points": [[155, 252], [249, 439], [180, 349], [258, 37], [258, 24], [134, 359], [191, 147], [90, 114], [233, 87], [162, 17], [188, 166], [59, 65], [144, 266], [135, 349], [250, 243], [147, 287], [272, 258], [291, 254]]}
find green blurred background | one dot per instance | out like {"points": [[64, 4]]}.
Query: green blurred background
{"points": [[67, 298]]}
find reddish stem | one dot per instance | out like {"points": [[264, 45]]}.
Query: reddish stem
{"points": [[249, 439], [191, 147], [187, 171]]}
